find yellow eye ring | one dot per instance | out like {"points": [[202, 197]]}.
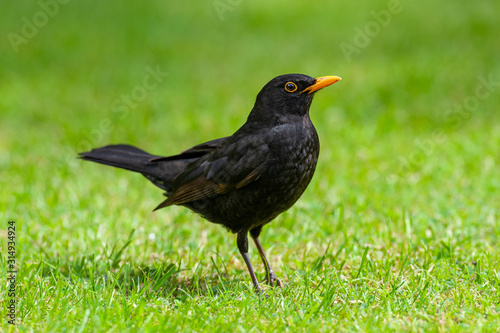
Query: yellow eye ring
{"points": [[290, 87]]}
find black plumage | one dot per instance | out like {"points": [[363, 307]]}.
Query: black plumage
{"points": [[245, 180]]}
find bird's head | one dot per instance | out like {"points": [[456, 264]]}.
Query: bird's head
{"points": [[288, 96]]}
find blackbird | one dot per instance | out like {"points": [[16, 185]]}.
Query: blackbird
{"points": [[245, 180]]}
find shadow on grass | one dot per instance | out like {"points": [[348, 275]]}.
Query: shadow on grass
{"points": [[101, 274], [108, 271]]}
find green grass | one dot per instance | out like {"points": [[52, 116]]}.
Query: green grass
{"points": [[398, 231]]}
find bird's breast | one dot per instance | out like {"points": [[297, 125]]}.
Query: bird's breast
{"points": [[294, 154]]}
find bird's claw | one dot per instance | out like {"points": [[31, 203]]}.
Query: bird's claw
{"points": [[272, 280]]}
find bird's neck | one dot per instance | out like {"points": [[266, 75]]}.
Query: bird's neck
{"points": [[261, 118]]}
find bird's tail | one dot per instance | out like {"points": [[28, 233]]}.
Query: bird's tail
{"points": [[121, 156], [129, 158]]}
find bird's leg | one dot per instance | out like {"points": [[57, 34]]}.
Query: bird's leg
{"points": [[271, 278], [242, 241]]}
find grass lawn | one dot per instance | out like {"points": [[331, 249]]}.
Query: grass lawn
{"points": [[398, 231]]}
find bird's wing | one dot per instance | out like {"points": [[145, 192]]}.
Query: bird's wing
{"points": [[228, 168], [194, 152]]}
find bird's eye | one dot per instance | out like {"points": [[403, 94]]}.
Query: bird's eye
{"points": [[290, 87]]}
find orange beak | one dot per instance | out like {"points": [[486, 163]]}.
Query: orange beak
{"points": [[321, 82]]}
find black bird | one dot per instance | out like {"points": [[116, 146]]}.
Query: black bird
{"points": [[245, 180]]}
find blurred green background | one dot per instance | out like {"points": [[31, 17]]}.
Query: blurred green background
{"points": [[410, 137]]}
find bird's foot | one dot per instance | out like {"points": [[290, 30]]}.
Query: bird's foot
{"points": [[272, 280]]}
